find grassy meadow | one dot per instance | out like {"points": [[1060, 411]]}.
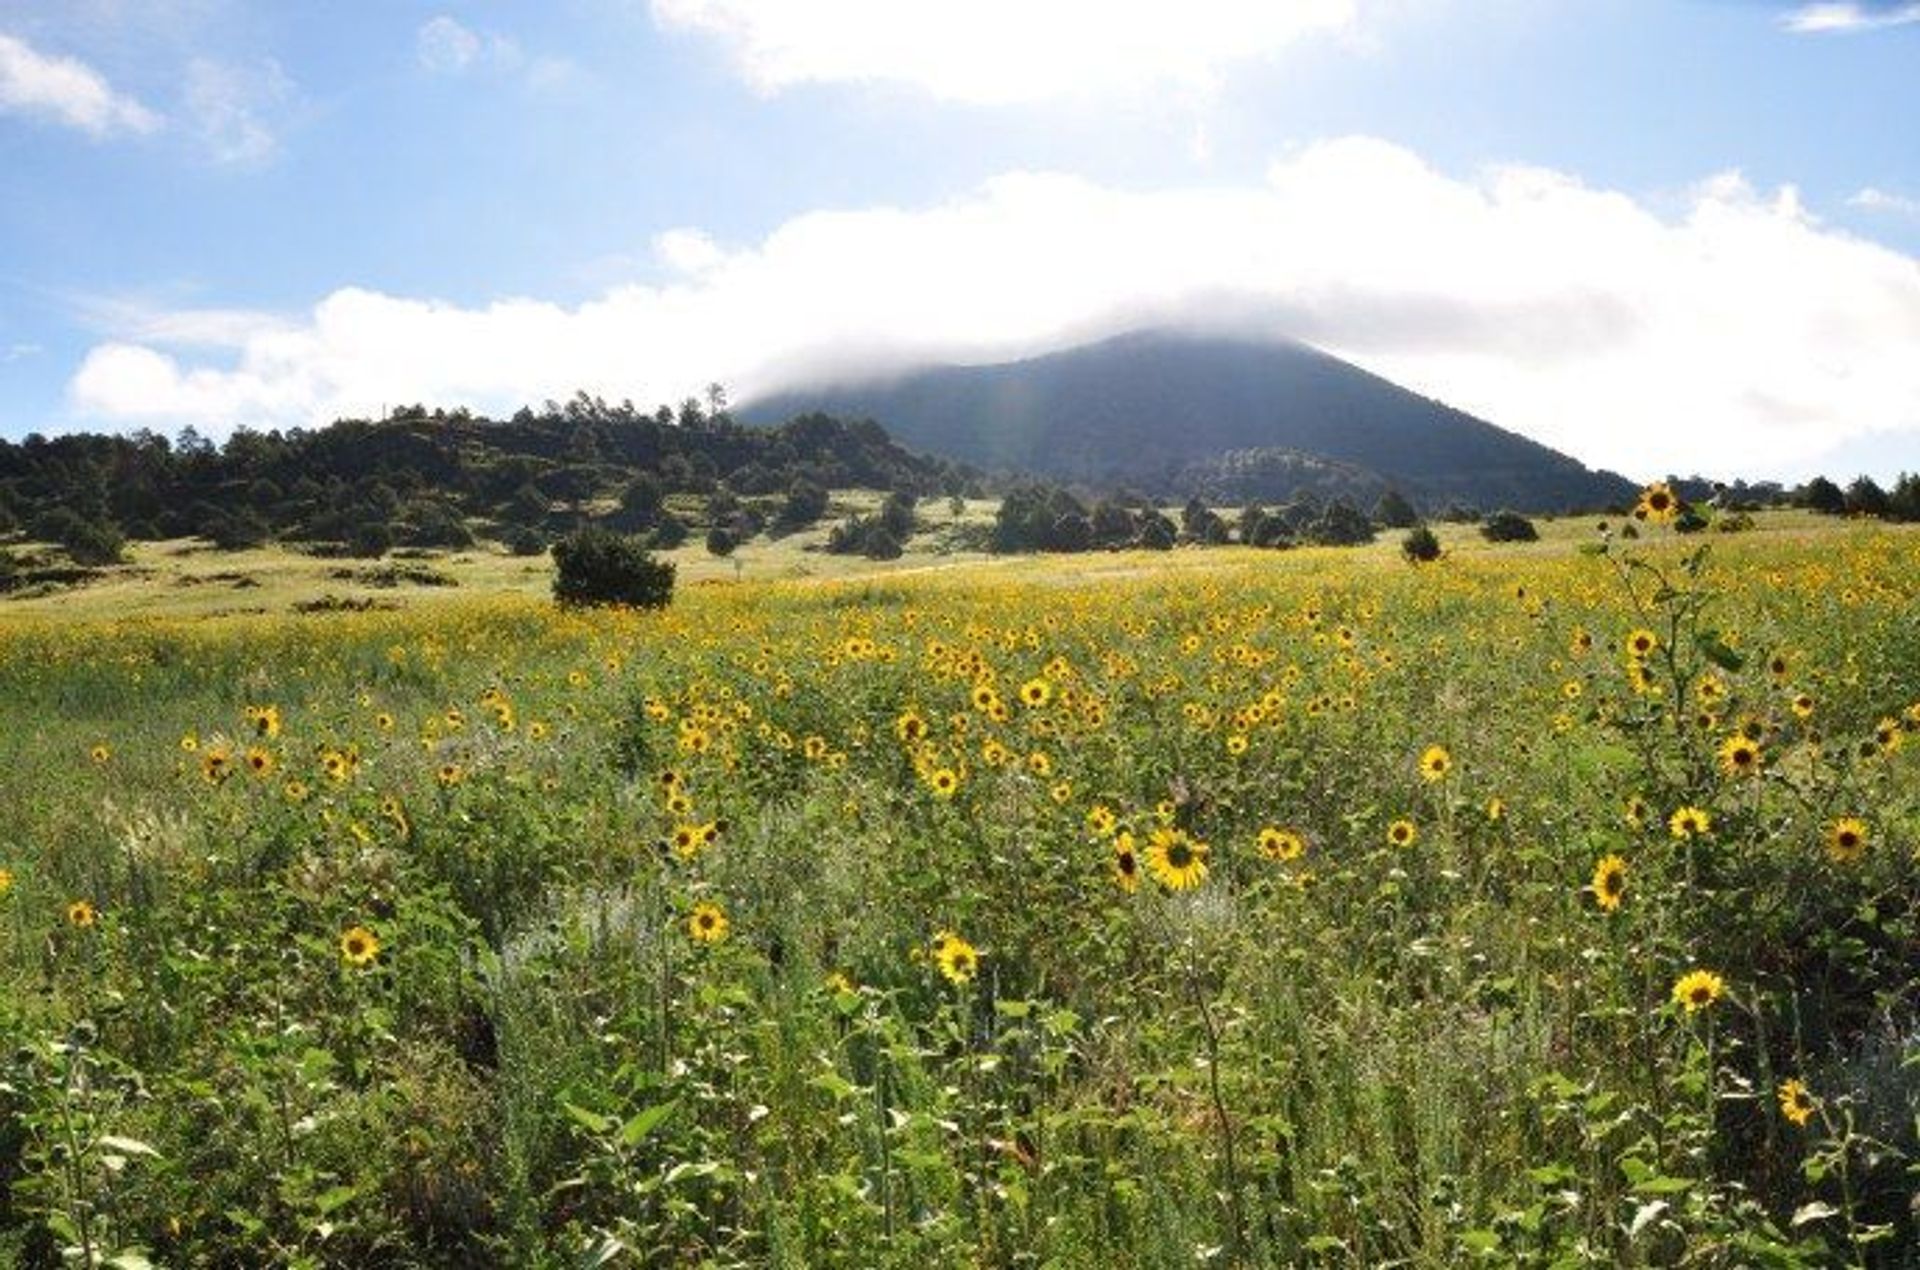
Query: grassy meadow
{"points": [[1550, 905]]}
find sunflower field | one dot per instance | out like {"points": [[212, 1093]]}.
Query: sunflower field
{"points": [[1546, 905]]}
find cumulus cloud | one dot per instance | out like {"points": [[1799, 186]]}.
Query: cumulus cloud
{"points": [[1001, 51], [67, 91], [1739, 336], [1816, 19]]}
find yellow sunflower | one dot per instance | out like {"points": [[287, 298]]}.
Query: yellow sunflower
{"points": [[81, 914], [1657, 503], [958, 960], [1281, 844], [1642, 643], [1435, 763], [1846, 840], [707, 923], [1609, 883], [359, 946], [1698, 989], [1126, 864], [1739, 756], [1403, 833], [1177, 861], [1690, 822], [1796, 1101]]}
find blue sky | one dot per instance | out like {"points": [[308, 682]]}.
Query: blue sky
{"points": [[1658, 234]]}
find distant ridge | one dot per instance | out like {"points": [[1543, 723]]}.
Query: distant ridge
{"points": [[1161, 411]]}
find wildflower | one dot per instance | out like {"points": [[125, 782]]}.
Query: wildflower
{"points": [[1689, 822], [6, 882], [1403, 833], [1636, 812], [1609, 882], [1177, 861], [958, 960], [1846, 840], [295, 791], [100, 753], [81, 914], [265, 721], [1281, 844], [1035, 693], [1435, 763], [216, 764], [943, 782], [1698, 989], [449, 775], [1657, 503], [1496, 810], [359, 946], [1739, 756], [1886, 735], [1642, 643], [1101, 821], [259, 761], [1796, 1102], [1802, 705], [189, 743], [910, 728], [707, 923], [1126, 864]]}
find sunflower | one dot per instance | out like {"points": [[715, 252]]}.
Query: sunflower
{"points": [[958, 960], [1802, 705], [6, 882], [1237, 744], [1796, 1102], [1739, 756], [1657, 502], [1403, 833], [1035, 693], [1177, 861], [1886, 735], [687, 841], [1496, 810], [1101, 821], [1689, 822], [1779, 666], [1697, 989], [707, 923], [81, 914], [259, 761], [1609, 882], [449, 775], [1636, 812], [265, 720], [1435, 763], [1126, 864], [910, 728], [1040, 764], [216, 764], [359, 946], [189, 743], [295, 791], [1846, 840], [943, 782], [335, 765], [383, 721], [100, 753], [1642, 643], [1280, 844]]}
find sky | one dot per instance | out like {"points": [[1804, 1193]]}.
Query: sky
{"points": [[1659, 235]]}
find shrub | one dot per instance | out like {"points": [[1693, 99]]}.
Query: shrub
{"points": [[522, 541], [88, 542], [1420, 546], [598, 566], [720, 541], [1509, 526], [369, 538]]}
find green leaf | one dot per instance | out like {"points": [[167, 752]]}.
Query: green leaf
{"points": [[1663, 1185], [1716, 651], [635, 1131], [591, 1121], [126, 1146], [1813, 1212]]}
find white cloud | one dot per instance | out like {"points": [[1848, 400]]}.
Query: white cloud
{"points": [[1001, 51], [1876, 200], [1814, 19], [67, 91], [232, 108], [1740, 337], [445, 47]]}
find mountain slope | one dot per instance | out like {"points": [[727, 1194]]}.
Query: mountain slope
{"points": [[1140, 409]]}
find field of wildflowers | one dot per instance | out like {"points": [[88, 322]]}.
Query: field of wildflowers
{"points": [[1549, 906]]}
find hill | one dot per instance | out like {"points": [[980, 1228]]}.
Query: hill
{"points": [[1164, 411]]}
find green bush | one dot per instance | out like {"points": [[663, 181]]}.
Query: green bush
{"points": [[1509, 526], [1420, 546], [597, 566]]}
